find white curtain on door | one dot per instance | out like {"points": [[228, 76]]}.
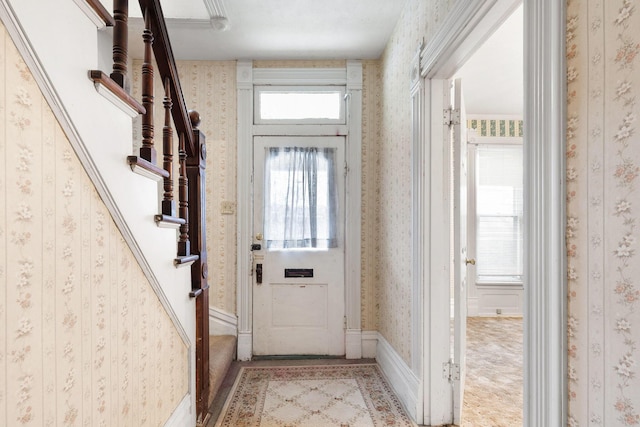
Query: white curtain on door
{"points": [[300, 203]]}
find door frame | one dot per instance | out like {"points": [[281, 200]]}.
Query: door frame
{"points": [[467, 26], [247, 77]]}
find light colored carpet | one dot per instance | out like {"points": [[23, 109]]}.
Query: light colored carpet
{"points": [[494, 385], [312, 396]]}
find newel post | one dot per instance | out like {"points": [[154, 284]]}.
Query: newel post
{"points": [[196, 163]]}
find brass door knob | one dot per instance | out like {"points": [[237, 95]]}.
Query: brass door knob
{"points": [[470, 261]]}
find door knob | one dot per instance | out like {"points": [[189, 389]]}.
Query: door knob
{"points": [[471, 261]]}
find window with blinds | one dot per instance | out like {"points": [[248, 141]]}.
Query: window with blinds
{"points": [[499, 209]]}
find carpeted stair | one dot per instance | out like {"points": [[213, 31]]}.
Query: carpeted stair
{"points": [[222, 351]]}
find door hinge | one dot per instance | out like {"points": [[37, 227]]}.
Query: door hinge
{"points": [[346, 169], [451, 116], [451, 371], [344, 322]]}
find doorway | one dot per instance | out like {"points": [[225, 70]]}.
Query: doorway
{"points": [[492, 79], [545, 294], [257, 88], [298, 209]]}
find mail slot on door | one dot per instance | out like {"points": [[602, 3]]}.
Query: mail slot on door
{"points": [[298, 272]]}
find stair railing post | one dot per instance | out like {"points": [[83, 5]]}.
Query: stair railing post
{"points": [[147, 151], [184, 246], [196, 165], [120, 42], [168, 203]]}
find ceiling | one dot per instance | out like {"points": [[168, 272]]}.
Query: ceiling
{"points": [[280, 29], [332, 29], [492, 79]]}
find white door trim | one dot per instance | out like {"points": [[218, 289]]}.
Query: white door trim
{"points": [[351, 76], [545, 367]]}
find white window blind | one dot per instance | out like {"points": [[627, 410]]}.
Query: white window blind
{"points": [[499, 209]]}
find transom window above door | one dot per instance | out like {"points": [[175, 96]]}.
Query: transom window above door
{"points": [[299, 105]]}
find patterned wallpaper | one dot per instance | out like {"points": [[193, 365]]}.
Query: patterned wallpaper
{"points": [[393, 291], [83, 337], [603, 199]]}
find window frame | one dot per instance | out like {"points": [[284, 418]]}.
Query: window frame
{"points": [[472, 237], [259, 89]]}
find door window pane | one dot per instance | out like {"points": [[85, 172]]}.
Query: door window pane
{"points": [[300, 203], [299, 105], [499, 212]]}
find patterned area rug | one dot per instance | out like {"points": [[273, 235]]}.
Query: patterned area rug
{"points": [[312, 396]]}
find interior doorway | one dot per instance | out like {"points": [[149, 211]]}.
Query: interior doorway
{"points": [[545, 269], [493, 299]]}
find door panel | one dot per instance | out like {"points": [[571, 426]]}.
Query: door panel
{"points": [[460, 248], [298, 305]]}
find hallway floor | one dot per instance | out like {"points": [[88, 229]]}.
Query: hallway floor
{"points": [[494, 381], [493, 388]]}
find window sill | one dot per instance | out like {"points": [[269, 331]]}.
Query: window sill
{"points": [[500, 285]]}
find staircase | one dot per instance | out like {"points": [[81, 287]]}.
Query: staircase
{"points": [[164, 229]]}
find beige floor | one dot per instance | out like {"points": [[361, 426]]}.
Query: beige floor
{"points": [[494, 385], [493, 389]]}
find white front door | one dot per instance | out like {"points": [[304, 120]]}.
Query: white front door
{"points": [[298, 241], [460, 248]]}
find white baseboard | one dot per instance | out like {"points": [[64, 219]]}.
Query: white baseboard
{"points": [[473, 307], [369, 344], [183, 414], [403, 381], [222, 323], [245, 346]]}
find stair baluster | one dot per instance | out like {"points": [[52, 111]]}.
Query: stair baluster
{"points": [[120, 42], [147, 151], [184, 246], [168, 204]]}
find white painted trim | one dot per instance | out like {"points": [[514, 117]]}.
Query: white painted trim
{"points": [[91, 14], [420, 157], [299, 76], [404, 382], [183, 415], [545, 337], [353, 214], [351, 76], [111, 97], [222, 323], [467, 26], [369, 344], [438, 404], [353, 343], [244, 76], [245, 346]]}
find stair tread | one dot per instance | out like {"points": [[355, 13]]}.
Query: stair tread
{"points": [[222, 351]]}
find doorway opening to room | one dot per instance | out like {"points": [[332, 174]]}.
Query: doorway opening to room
{"points": [[492, 83], [435, 64]]}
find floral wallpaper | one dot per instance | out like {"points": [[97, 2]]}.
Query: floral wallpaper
{"points": [[603, 201], [83, 336], [394, 181]]}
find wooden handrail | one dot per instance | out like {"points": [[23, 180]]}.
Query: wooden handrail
{"points": [[168, 69], [102, 12]]}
